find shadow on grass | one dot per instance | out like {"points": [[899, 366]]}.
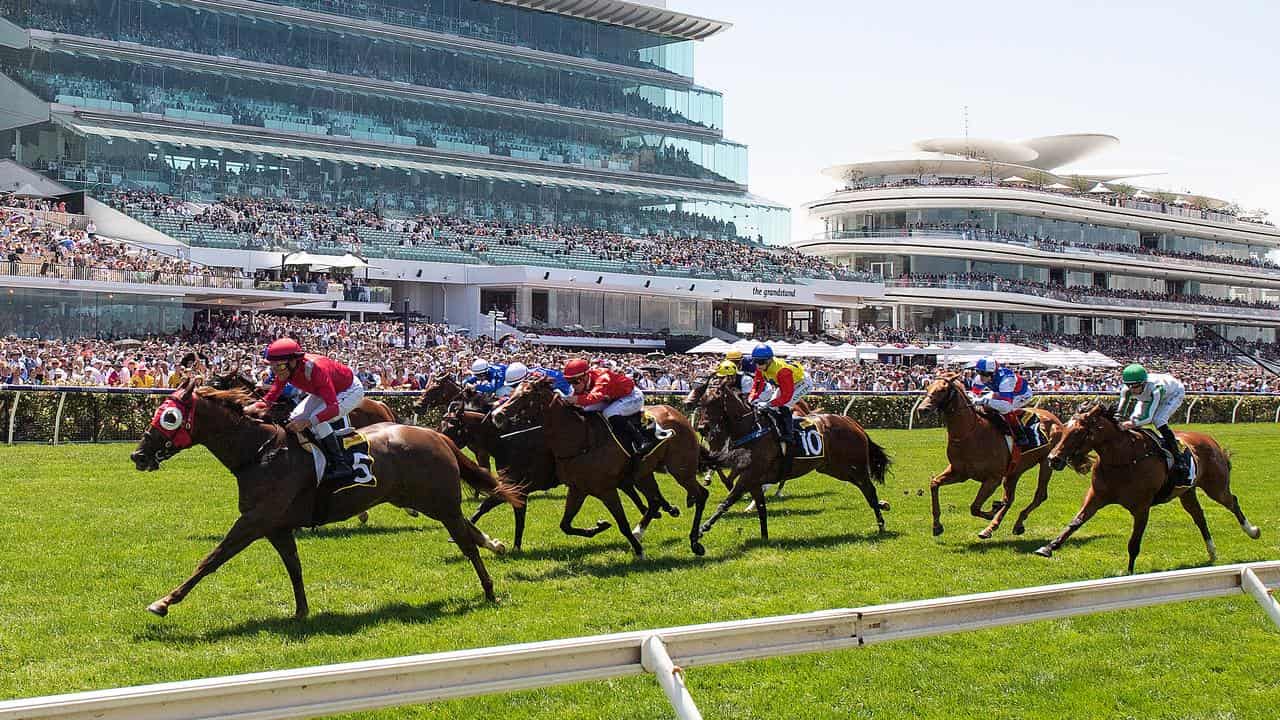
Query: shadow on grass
{"points": [[318, 624], [338, 530], [1028, 544]]}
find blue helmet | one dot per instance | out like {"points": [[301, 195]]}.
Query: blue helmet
{"points": [[986, 366], [762, 353]]}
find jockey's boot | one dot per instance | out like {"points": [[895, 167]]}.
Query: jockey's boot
{"points": [[644, 441], [1021, 437], [1179, 469], [337, 466]]}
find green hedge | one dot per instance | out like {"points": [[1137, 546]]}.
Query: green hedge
{"points": [[97, 417]]}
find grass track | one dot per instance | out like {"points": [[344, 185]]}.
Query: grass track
{"points": [[86, 542]]}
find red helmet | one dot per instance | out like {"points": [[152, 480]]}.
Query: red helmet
{"points": [[576, 368], [283, 349]]}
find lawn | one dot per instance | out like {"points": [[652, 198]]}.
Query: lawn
{"points": [[86, 542]]}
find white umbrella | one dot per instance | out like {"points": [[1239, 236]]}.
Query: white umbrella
{"points": [[1057, 186], [1015, 179], [1181, 201], [1101, 189], [714, 346], [1141, 196]]}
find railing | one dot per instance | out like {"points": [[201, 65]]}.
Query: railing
{"points": [[53, 217], [1032, 244], [666, 653], [330, 290], [137, 277], [1013, 286]]}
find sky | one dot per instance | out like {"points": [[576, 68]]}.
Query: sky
{"points": [[1189, 88]]}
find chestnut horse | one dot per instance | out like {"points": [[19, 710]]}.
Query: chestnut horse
{"points": [[755, 458], [441, 391], [523, 459], [1131, 471], [416, 468], [591, 462], [976, 448]]}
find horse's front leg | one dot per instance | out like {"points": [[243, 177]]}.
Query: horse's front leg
{"points": [[1092, 503], [946, 477], [283, 541], [243, 532], [572, 504], [1010, 488], [985, 490]]}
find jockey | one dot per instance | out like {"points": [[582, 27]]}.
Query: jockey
{"points": [[1003, 391], [744, 368], [518, 373], [789, 381], [487, 379], [333, 391], [614, 395], [1150, 399]]}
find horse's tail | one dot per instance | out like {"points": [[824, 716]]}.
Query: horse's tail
{"points": [[878, 461], [483, 481]]}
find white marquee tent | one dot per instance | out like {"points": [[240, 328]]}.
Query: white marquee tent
{"points": [[954, 354]]}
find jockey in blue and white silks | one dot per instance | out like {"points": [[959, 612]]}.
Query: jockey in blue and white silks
{"points": [[488, 379], [517, 373], [1003, 391]]}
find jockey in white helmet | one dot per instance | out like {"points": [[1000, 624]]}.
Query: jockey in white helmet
{"points": [[1003, 391]]}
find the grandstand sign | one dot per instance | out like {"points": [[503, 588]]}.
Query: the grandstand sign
{"points": [[773, 292]]}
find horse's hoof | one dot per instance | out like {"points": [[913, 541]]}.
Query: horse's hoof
{"points": [[937, 529], [1253, 531], [884, 505], [673, 511], [697, 548], [880, 528], [301, 614], [703, 530], [985, 534], [499, 547], [158, 608], [637, 532], [602, 525], [1044, 551], [1019, 529], [363, 518]]}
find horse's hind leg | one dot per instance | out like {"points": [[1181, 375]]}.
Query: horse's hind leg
{"points": [[985, 491], [1135, 538], [1042, 494], [758, 502], [1191, 504], [946, 477], [490, 502], [463, 534], [1221, 493], [862, 479], [282, 540]]}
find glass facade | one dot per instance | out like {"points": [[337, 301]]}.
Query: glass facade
{"points": [[620, 312], [228, 35], [55, 314]]}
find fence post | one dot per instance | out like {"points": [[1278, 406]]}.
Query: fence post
{"points": [[57, 420], [13, 415], [654, 658], [1235, 409], [911, 419], [1190, 407], [849, 405], [1253, 586]]}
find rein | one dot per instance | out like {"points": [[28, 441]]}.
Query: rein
{"points": [[952, 395]]}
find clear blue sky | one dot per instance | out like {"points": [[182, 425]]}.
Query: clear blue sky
{"points": [[1190, 88]]}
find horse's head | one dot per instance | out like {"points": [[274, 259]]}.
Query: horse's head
{"points": [[441, 389], [941, 393], [453, 424], [696, 390], [722, 404], [1080, 436], [170, 431], [527, 403]]}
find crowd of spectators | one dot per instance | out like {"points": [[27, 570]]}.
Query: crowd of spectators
{"points": [[378, 352]]}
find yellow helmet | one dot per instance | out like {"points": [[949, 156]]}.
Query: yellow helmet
{"points": [[733, 355], [727, 368]]}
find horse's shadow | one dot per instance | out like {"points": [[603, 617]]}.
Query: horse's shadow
{"points": [[335, 530], [1026, 545], [317, 624]]}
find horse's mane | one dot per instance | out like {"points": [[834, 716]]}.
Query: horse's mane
{"points": [[234, 399]]}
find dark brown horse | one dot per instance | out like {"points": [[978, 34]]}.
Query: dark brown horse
{"points": [[754, 456], [1130, 471], [415, 468], [694, 397], [589, 461], [523, 459], [441, 391], [977, 449]]}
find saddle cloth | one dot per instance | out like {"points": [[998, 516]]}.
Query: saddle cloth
{"points": [[1188, 457], [1031, 422], [356, 446], [809, 444]]}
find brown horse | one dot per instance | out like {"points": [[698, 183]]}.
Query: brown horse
{"points": [[694, 397], [441, 391], [1131, 471], [523, 459], [591, 462], [415, 468], [976, 448], [755, 457]]}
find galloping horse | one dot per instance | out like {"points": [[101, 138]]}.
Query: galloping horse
{"points": [[415, 468], [591, 462], [1131, 471], [523, 459], [976, 449], [441, 391], [756, 458], [694, 397]]}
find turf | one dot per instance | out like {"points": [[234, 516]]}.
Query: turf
{"points": [[86, 542]]}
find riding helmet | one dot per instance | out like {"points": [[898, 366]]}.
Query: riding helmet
{"points": [[986, 366], [727, 369], [516, 372], [576, 367], [284, 349], [762, 353], [480, 366], [1134, 373], [733, 356]]}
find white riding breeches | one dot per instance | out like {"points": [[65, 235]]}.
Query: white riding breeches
{"points": [[1003, 406], [800, 389], [626, 405], [311, 407], [1171, 402]]}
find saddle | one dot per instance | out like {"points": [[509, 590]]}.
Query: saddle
{"points": [[647, 425], [808, 440], [1165, 494], [1033, 436], [356, 446]]}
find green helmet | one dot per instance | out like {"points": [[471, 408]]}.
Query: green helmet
{"points": [[1134, 373]]}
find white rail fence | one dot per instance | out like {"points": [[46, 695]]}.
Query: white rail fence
{"points": [[665, 653]]}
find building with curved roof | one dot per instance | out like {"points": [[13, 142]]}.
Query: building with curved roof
{"points": [[972, 232]]}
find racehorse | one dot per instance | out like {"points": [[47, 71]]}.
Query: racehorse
{"points": [[523, 459], [415, 468], [694, 396], [591, 462], [367, 412], [1130, 470], [441, 391], [976, 448], [755, 458]]}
